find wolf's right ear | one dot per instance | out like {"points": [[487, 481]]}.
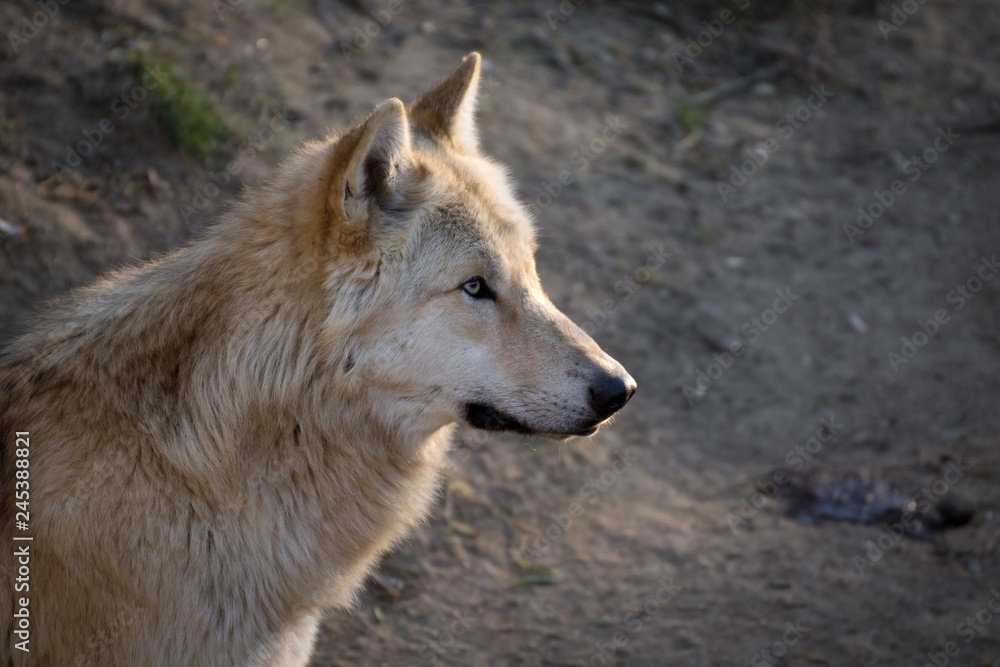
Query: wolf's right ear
{"points": [[378, 168], [447, 112]]}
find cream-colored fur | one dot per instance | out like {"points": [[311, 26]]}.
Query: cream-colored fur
{"points": [[224, 440]]}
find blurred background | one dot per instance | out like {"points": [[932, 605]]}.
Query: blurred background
{"points": [[781, 216]]}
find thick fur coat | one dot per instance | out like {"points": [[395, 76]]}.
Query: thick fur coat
{"points": [[224, 440]]}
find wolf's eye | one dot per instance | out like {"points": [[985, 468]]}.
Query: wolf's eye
{"points": [[477, 288]]}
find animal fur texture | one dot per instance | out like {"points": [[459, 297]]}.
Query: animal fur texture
{"points": [[224, 440]]}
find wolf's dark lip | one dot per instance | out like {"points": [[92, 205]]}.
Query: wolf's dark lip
{"points": [[489, 418]]}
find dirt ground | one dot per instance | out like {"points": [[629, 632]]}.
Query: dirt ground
{"points": [[649, 544]]}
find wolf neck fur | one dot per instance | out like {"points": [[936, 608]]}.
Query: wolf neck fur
{"points": [[255, 390]]}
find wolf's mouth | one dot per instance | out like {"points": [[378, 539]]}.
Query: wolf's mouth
{"points": [[489, 418]]}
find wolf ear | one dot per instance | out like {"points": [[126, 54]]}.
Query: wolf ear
{"points": [[447, 112], [379, 163]]}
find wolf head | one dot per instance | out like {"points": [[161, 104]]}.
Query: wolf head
{"points": [[435, 306]]}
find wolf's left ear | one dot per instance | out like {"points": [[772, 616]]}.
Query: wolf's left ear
{"points": [[447, 112], [379, 165]]}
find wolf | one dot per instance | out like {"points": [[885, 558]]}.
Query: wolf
{"points": [[222, 441]]}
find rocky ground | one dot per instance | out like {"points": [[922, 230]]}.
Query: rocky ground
{"points": [[697, 172]]}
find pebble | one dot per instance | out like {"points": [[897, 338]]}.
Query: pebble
{"points": [[857, 323]]}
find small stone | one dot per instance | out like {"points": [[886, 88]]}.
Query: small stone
{"points": [[857, 323], [764, 88]]}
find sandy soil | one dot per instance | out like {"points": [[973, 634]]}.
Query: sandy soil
{"points": [[649, 544]]}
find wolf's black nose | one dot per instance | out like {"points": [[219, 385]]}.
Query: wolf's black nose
{"points": [[609, 393]]}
